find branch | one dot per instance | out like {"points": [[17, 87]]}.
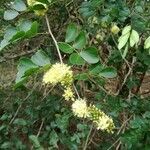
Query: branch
{"points": [[55, 42]]}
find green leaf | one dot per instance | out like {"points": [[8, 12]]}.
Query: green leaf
{"points": [[94, 70], [147, 43], [125, 51], [90, 55], [66, 48], [123, 40], [76, 59], [35, 141], [19, 5], [40, 58], [33, 30], [6, 145], [25, 68], [3, 44], [25, 25], [126, 30], [81, 76], [10, 14], [55, 138], [71, 33], [17, 36], [9, 33], [20, 122], [80, 41], [134, 38], [108, 72]]}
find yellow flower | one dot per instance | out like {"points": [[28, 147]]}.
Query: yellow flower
{"points": [[80, 108], [59, 73], [68, 94], [105, 123], [115, 29], [101, 120]]}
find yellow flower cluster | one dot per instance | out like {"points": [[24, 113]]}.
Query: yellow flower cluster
{"points": [[59, 73], [68, 94], [40, 12], [101, 120], [80, 109], [62, 73]]}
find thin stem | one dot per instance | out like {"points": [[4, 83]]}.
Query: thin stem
{"points": [[87, 139], [76, 91], [55, 42]]}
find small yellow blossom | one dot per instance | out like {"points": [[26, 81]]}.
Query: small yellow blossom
{"points": [[59, 73], [115, 29], [105, 123], [68, 94], [80, 108], [101, 120]]}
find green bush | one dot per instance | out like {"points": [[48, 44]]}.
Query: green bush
{"points": [[78, 84]]}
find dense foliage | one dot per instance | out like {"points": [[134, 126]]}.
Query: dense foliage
{"points": [[80, 70]]}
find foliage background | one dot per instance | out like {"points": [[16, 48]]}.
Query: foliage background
{"points": [[34, 118]]}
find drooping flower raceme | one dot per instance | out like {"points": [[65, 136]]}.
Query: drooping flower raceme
{"points": [[59, 73], [105, 123], [79, 108], [101, 120], [68, 94]]}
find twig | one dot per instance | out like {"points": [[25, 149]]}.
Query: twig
{"points": [[114, 144], [124, 124], [87, 139], [39, 130], [76, 91], [126, 77], [55, 42]]}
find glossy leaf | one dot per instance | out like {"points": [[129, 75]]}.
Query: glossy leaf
{"points": [[134, 38], [25, 67], [10, 14], [81, 76], [108, 72], [71, 33], [40, 58], [125, 51], [33, 30], [25, 25], [17, 36], [66, 48], [126, 30], [90, 55], [123, 40], [19, 5], [9, 33], [80, 41], [35, 141], [76, 59], [147, 43], [3, 44]]}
